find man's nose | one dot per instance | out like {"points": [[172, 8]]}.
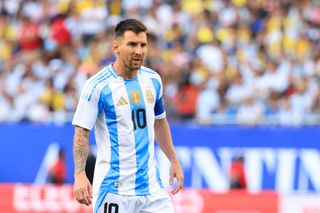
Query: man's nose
{"points": [[138, 50]]}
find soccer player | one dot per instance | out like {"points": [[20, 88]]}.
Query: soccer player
{"points": [[124, 103]]}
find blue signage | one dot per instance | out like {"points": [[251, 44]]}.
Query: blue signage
{"points": [[276, 158]]}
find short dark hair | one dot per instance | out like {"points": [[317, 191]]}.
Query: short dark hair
{"points": [[129, 24]]}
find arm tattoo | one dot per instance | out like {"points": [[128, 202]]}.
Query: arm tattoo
{"points": [[80, 149]]}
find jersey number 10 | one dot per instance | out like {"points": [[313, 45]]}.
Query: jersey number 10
{"points": [[139, 118]]}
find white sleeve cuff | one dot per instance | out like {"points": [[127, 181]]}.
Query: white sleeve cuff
{"points": [[162, 115]]}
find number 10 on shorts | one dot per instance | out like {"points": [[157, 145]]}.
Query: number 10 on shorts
{"points": [[111, 208]]}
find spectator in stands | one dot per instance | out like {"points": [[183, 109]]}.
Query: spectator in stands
{"points": [[93, 16], [7, 37], [59, 32], [186, 99], [207, 103], [250, 111], [29, 40]]}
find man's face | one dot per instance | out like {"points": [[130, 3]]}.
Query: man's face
{"points": [[131, 49]]}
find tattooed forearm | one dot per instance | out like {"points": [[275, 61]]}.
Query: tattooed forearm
{"points": [[80, 149]]}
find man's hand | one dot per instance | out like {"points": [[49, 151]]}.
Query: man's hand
{"points": [[82, 189], [176, 172]]}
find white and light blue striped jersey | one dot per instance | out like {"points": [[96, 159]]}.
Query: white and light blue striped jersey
{"points": [[123, 114]]}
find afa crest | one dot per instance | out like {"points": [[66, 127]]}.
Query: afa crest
{"points": [[150, 97], [135, 97]]}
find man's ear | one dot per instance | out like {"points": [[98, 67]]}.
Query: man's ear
{"points": [[115, 46]]}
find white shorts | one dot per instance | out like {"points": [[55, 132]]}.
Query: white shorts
{"points": [[159, 201]]}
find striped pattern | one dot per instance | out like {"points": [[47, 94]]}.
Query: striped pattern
{"points": [[123, 114], [98, 78]]}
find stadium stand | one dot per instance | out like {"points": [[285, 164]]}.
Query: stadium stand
{"points": [[221, 61]]}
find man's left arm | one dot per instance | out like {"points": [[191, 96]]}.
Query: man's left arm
{"points": [[164, 140]]}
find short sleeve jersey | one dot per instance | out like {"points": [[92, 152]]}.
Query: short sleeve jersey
{"points": [[123, 114]]}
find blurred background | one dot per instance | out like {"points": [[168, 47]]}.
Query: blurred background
{"points": [[241, 89]]}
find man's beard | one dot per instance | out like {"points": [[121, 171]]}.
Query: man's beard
{"points": [[132, 65]]}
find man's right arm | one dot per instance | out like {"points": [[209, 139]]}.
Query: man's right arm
{"points": [[80, 149], [82, 187]]}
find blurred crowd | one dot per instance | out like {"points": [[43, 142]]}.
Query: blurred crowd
{"points": [[221, 61]]}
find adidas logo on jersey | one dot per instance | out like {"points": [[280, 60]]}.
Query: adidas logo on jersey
{"points": [[122, 101]]}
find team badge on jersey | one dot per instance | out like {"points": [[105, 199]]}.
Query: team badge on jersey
{"points": [[150, 97], [135, 97]]}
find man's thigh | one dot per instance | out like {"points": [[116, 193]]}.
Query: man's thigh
{"points": [[158, 202]]}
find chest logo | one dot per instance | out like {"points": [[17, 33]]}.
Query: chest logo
{"points": [[135, 97], [122, 101], [150, 97]]}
